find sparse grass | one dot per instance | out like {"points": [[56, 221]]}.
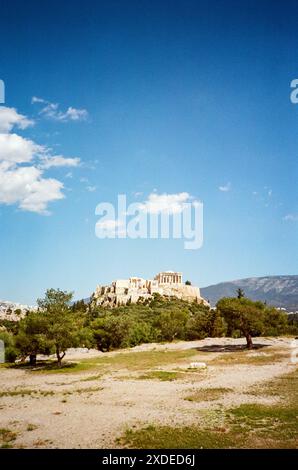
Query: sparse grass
{"points": [[285, 387], [42, 443], [14, 393], [46, 393], [248, 357], [266, 426], [83, 390], [91, 378], [142, 360], [208, 394], [275, 425], [6, 437], [51, 367], [162, 375], [167, 437], [31, 427], [25, 392], [250, 425], [88, 390]]}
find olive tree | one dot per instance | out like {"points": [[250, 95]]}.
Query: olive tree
{"points": [[61, 323], [244, 315]]}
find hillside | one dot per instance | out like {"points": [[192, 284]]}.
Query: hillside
{"points": [[13, 311], [280, 291]]}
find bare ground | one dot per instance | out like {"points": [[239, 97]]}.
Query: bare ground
{"points": [[64, 410]]}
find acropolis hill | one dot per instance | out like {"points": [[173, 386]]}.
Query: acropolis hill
{"points": [[134, 289]]}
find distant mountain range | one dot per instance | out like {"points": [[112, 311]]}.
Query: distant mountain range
{"points": [[279, 291]]}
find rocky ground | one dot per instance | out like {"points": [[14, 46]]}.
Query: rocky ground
{"points": [[91, 403]]}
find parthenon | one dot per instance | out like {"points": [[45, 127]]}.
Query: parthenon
{"points": [[169, 277], [165, 283]]}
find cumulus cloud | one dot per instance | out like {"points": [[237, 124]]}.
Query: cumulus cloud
{"points": [[22, 166], [10, 118], [26, 187], [17, 149], [52, 111], [170, 203], [225, 188]]}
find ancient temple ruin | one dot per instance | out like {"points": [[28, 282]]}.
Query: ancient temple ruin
{"points": [[134, 289]]}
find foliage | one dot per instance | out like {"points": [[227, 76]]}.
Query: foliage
{"points": [[251, 318], [240, 293], [11, 351], [31, 339], [60, 324]]}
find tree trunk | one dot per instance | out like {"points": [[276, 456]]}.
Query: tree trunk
{"points": [[59, 357], [249, 344], [32, 359]]}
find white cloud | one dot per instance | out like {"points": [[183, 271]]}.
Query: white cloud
{"points": [[35, 99], [26, 187], [225, 188], [291, 217], [17, 149], [52, 111], [170, 203], [74, 114], [58, 161], [9, 117], [22, 166]]}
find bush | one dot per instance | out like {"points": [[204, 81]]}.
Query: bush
{"points": [[11, 351]]}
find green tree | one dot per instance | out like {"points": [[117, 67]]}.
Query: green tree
{"points": [[197, 326], [245, 315], [11, 351], [187, 283], [31, 337], [111, 331], [172, 324], [240, 293], [276, 322], [61, 323]]}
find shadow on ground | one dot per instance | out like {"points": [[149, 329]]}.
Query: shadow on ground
{"points": [[229, 348], [42, 365]]}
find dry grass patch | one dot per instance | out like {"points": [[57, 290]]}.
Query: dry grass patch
{"points": [[167, 437], [249, 358], [208, 394], [7, 437]]}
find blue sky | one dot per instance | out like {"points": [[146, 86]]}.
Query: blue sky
{"points": [[143, 97]]}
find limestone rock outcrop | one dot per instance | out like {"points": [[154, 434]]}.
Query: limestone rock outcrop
{"points": [[134, 289]]}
